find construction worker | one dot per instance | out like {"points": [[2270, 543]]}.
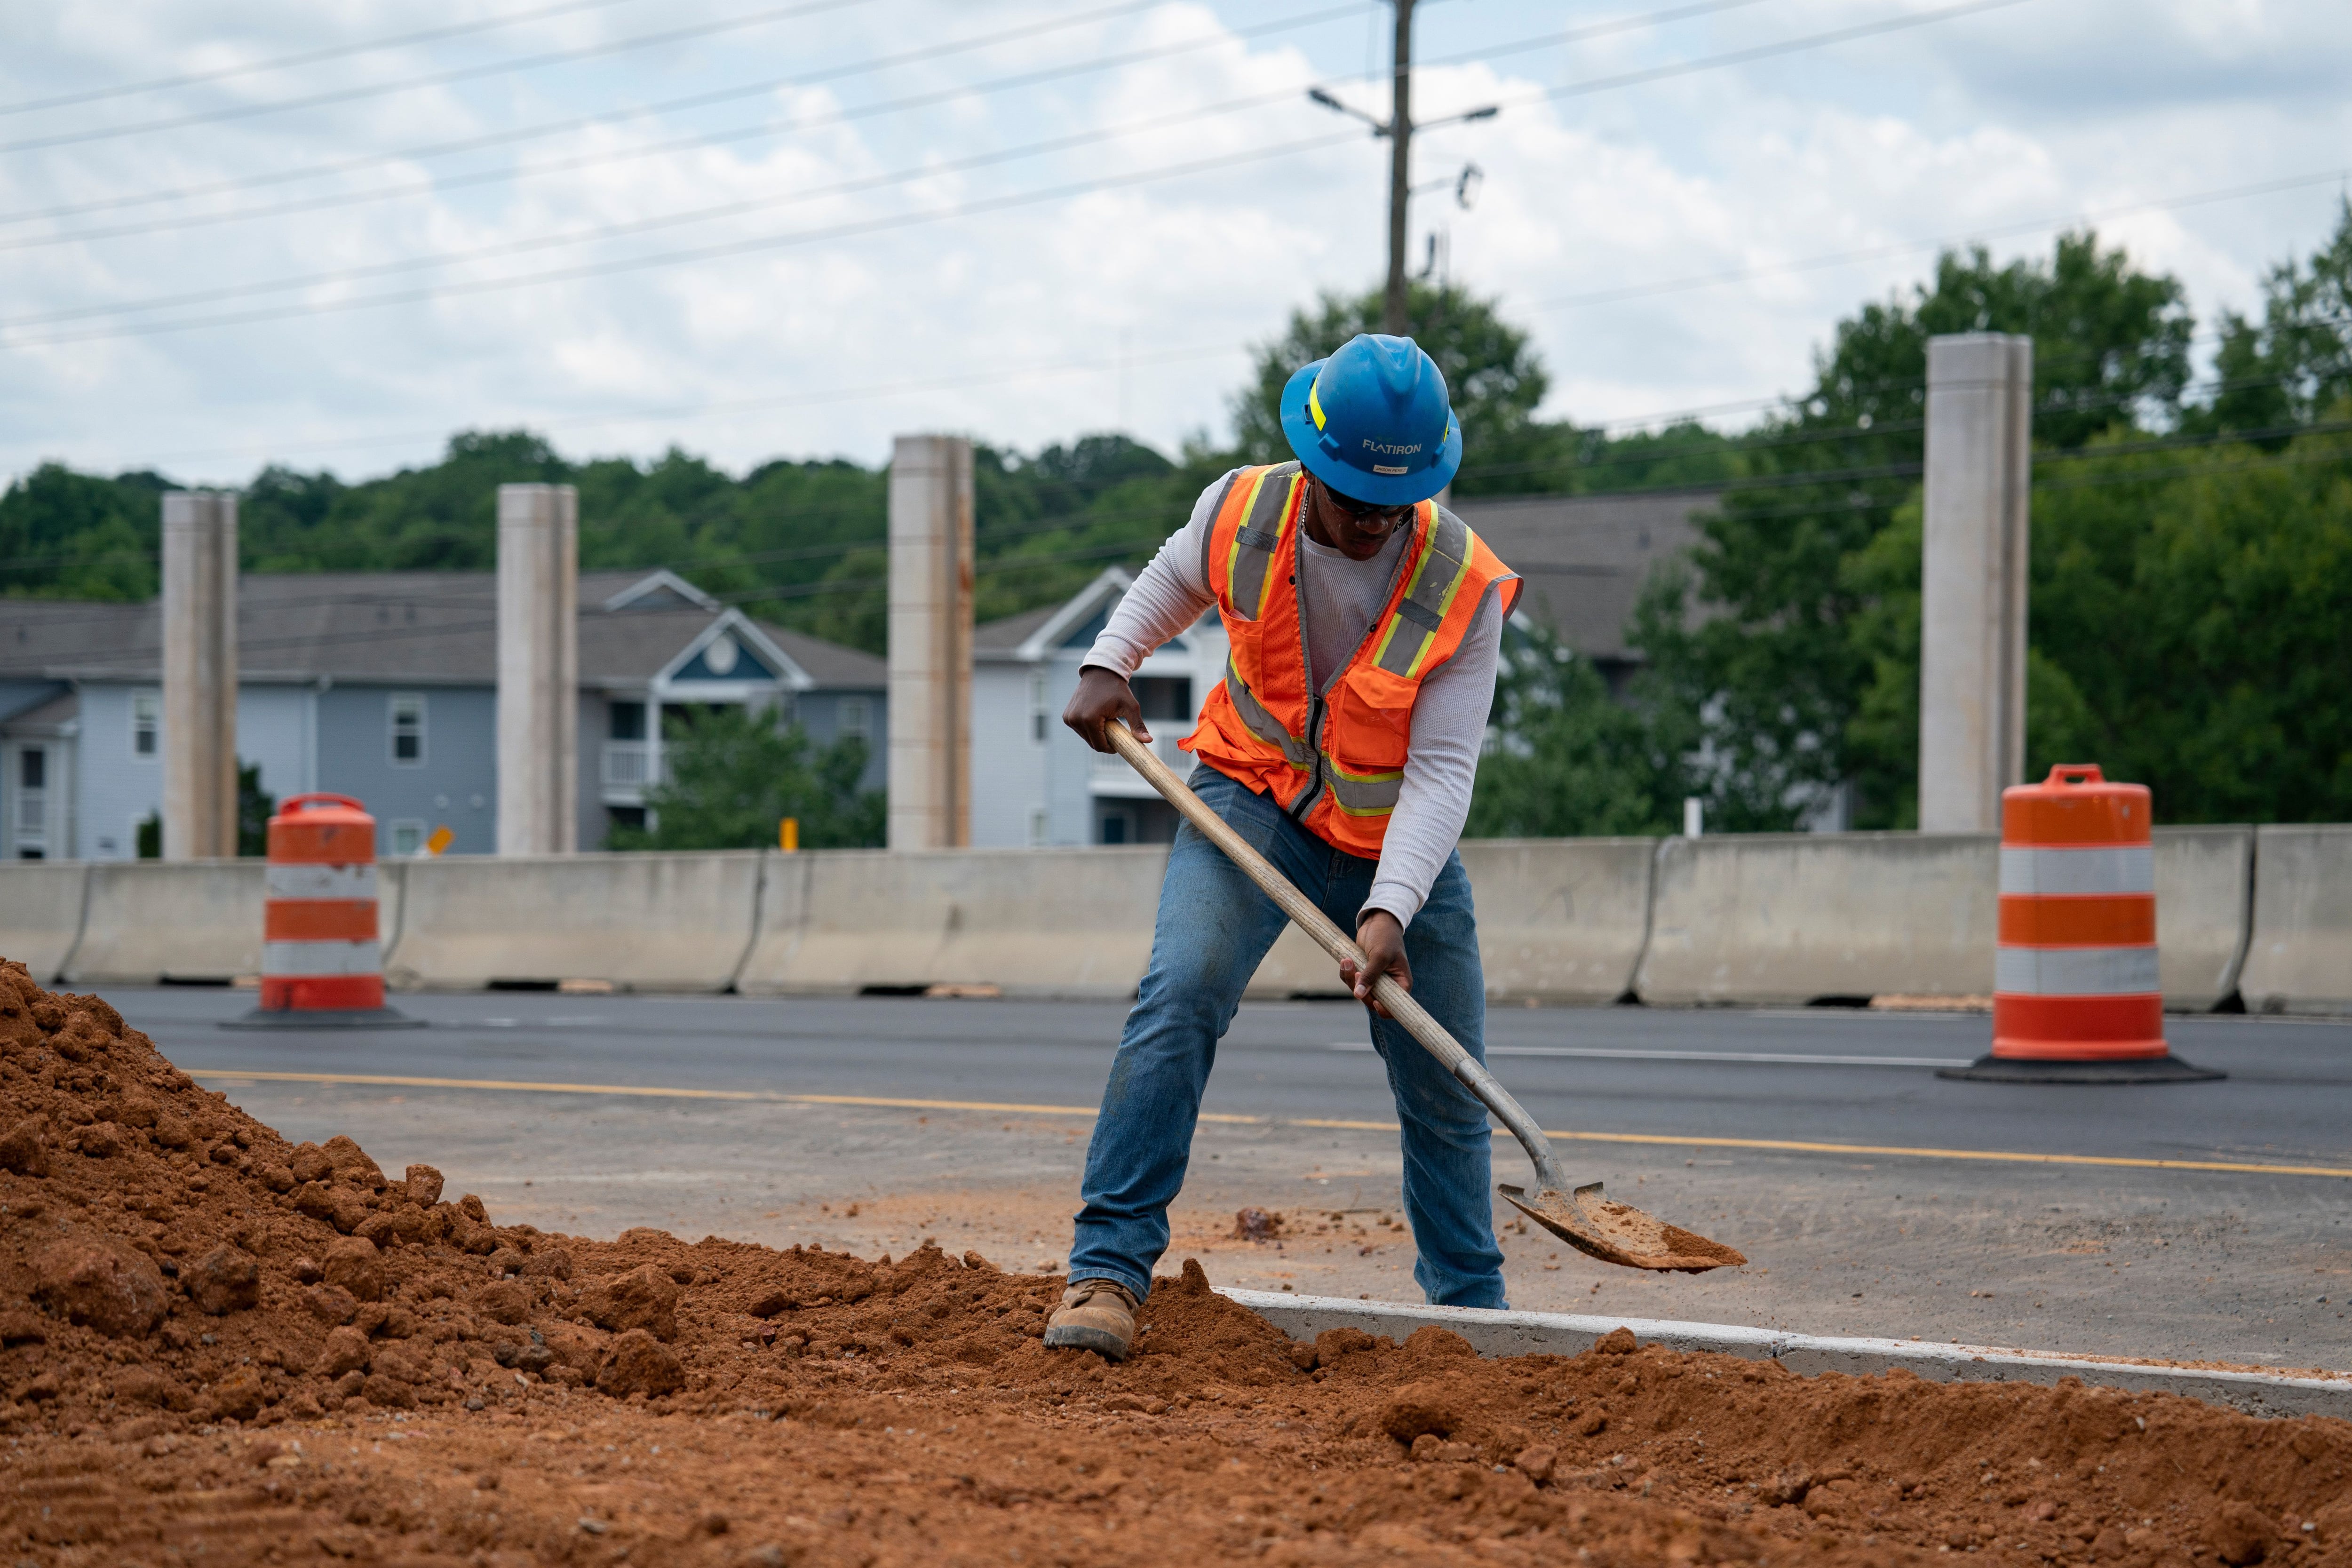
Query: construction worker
{"points": [[1364, 622]]}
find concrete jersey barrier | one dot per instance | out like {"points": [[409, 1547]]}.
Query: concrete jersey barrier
{"points": [[641, 921], [2299, 959], [1791, 918], [2204, 897], [1559, 919], [1566, 1334], [41, 904], [1036, 923], [152, 920]]}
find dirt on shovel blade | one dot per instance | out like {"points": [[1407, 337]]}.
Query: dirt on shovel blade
{"points": [[224, 1348]]}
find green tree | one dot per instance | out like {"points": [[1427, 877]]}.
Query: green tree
{"points": [[1765, 648], [1568, 760], [254, 806], [65, 535], [2297, 359], [735, 774]]}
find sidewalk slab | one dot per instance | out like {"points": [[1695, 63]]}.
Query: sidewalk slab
{"points": [[1568, 1334]]}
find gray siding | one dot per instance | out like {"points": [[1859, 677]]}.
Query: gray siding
{"points": [[820, 714], [118, 788], [456, 785]]}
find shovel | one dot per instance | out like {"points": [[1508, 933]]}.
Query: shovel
{"points": [[1580, 1216]]}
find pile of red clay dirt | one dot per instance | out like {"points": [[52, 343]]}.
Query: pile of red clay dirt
{"points": [[220, 1347]]}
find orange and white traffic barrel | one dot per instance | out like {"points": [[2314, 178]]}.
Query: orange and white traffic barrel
{"points": [[2075, 997], [322, 960]]}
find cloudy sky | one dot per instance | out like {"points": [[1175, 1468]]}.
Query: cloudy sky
{"points": [[328, 233]]}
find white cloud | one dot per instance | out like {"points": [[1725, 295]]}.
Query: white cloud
{"points": [[1134, 297]]}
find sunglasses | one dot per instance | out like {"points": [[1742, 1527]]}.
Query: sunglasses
{"points": [[1365, 510]]}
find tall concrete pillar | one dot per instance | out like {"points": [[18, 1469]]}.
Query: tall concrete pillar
{"points": [[930, 642], [539, 669], [199, 675], [1972, 586]]}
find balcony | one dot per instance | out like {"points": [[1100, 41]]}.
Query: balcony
{"points": [[630, 768], [1110, 776]]}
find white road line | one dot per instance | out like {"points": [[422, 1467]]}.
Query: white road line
{"points": [[1610, 1054]]}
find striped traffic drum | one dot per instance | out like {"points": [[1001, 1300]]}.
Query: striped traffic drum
{"points": [[2075, 993], [322, 963]]}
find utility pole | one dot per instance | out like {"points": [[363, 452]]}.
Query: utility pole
{"points": [[1399, 128], [1393, 320]]}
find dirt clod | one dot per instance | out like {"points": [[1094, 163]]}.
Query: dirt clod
{"points": [[100, 1283], [23, 1151], [354, 1264], [644, 1297], [640, 1363], [223, 1280], [1256, 1225]]}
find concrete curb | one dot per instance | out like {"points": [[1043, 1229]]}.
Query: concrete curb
{"points": [[1561, 1333]]}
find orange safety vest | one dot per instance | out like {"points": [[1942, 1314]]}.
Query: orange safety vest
{"points": [[1333, 760]]}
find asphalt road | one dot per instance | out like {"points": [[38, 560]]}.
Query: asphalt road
{"points": [[1820, 1075], [2206, 1220]]}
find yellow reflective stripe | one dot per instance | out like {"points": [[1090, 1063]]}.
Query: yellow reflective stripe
{"points": [[1314, 401], [1444, 605], [1376, 792], [1350, 773], [1281, 525], [1397, 623], [1256, 610]]}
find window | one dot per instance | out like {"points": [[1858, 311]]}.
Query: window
{"points": [[1037, 826], [857, 718], [629, 721], [408, 837], [407, 709], [146, 709], [1037, 707]]}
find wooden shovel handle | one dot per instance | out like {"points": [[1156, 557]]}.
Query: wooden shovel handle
{"points": [[1302, 910]]}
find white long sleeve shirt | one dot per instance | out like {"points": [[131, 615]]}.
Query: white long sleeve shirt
{"points": [[1343, 598]]}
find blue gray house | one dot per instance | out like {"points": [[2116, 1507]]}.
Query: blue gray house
{"points": [[384, 686]]}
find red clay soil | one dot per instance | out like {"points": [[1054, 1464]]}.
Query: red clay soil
{"points": [[221, 1348]]}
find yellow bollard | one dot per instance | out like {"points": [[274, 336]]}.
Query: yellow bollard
{"points": [[788, 835]]}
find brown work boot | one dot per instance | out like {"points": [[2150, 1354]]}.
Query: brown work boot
{"points": [[1096, 1315]]}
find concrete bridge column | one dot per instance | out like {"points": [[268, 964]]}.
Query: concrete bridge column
{"points": [[199, 675], [539, 669], [930, 642], [1972, 584]]}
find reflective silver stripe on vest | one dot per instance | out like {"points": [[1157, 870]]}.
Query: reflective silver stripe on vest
{"points": [[1423, 609], [1209, 534], [1259, 536], [1262, 724], [1375, 795]]}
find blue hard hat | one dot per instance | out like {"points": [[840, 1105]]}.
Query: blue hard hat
{"points": [[1373, 421]]}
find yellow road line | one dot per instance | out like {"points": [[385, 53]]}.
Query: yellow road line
{"points": [[389, 1081]]}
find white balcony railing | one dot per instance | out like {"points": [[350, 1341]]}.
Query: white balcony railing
{"points": [[1112, 774], [632, 764]]}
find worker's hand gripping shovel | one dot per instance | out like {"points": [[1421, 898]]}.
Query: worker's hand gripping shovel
{"points": [[1580, 1216]]}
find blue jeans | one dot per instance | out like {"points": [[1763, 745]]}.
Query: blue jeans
{"points": [[1215, 925]]}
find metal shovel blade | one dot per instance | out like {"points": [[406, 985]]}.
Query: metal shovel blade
{"points": [[1620, 1233]]}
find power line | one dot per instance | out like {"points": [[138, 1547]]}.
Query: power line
{"points": [[710, 139], [1736, 57], [760, 88], [1085, 138], [697, 141], [707, 252], [1908, 248], [313, 57], [436, 79]]}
